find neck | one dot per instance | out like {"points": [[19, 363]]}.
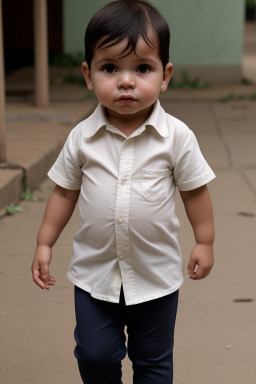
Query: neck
{"points": [[128, 124]]}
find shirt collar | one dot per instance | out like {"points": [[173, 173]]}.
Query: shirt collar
{"points": [[98, 120], [158, 120], [95, 122]]}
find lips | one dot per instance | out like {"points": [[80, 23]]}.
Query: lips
{"points": [[126, 99]]}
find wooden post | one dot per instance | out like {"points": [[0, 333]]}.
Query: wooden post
{"points": [[41, 53], [2, 94]]}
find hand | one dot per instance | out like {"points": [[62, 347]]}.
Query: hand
{"points": [[201, 261], [40, 267]]}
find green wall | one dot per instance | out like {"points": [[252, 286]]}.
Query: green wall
{"points": [[77, 14], [203, 32]]}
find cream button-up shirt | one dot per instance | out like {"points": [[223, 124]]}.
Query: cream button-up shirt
{"points": [[128, 230]]}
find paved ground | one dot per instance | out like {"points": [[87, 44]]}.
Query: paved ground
{"points": [[216, 324]]}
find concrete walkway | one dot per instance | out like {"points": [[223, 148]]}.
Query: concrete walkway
{"points": [[216, 324]]}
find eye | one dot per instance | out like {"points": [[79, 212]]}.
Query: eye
{"points": [[109, 68], [143, 68]]}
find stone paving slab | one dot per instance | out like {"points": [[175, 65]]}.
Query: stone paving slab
{"points": [[214, 329], [250, 175], [38, 325], [10, 187], [242, 148], [35, 137], [197, 115], [214, 150], [211, 328]]}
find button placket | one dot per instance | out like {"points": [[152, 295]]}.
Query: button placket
{"points": [[122, 209]]}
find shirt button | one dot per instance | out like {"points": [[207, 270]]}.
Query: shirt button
{"points": [[124, 178], [121, 221], [121, 256]]}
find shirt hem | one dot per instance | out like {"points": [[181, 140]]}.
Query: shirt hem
{"points": [[59, 180], [155, 296], [116, 300], [198, 182], [86, 288]]}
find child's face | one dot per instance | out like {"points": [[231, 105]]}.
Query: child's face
{"points": [[127, 86]]}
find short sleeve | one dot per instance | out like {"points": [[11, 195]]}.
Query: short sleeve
{"points": [[191, 170], [66, 171]]}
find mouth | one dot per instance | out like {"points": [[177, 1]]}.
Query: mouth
{"points": [[126, 99]]}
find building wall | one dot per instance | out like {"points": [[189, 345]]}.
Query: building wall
{"points": [[206, 35], [77, 14]]}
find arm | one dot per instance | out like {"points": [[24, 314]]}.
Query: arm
{"points": [[198, 207], [59, 209]]}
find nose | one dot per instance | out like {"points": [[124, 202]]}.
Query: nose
{"points": [[126, 80]]}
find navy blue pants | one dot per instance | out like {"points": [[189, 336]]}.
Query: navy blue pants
{"points": [[100, 339]]}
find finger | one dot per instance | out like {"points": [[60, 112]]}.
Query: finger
{"points": [[200, 273], [191, 267], [37, 279], [51, 281], [44, 272], [195, 276]]}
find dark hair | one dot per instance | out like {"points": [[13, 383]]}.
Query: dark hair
{"points": [[121, 19]]}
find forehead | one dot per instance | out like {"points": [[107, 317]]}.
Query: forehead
{"points": [[120, 50]]}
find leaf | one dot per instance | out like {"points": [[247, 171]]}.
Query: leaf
{"points": [[193, 83], [12, 209], [43, 188], [28, 195], [252, 96], [229, 97]]}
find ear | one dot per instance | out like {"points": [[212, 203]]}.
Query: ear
{"points": [[87, 75], [166, 76]]}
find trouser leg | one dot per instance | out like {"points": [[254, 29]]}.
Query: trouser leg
{"points": [[100, 339], [150, 328]]}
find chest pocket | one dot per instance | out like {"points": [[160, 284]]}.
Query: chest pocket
{"points": [[155, 184]]}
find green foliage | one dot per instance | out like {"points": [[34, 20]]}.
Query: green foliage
{"points": [[12, 209], [66, 59], [193, 83], [71, 62], [174, 84], [246, 81], [227, 98], [72, 78], [187, 82], [233, 97], [43, 188], [28, 195], [250, 3]]}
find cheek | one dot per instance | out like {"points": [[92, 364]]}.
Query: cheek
{"points": [[103, 86], [103, 93], [150, 89]]}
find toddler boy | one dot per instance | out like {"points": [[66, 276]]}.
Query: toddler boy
{"points": [[124, 163]]}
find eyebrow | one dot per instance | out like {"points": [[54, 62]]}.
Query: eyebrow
{"points": [[112, 60], [104, 60]]}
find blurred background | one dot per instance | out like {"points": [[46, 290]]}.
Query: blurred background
{"points": [[42, 97], [207, 36], [41, 45]]}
